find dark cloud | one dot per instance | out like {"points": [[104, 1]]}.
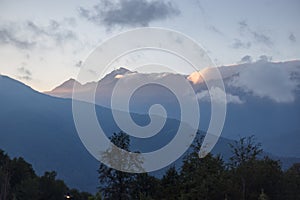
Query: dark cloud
{"points": [[246, 59], [238, 44], [25, 74], [243, 25], [54, 30], [215, 29], [8, 36], [128, 13], [264, 58], [292, 37], [78, 64], [26, 35], [257, 37], [200, 6], [262, 38]]}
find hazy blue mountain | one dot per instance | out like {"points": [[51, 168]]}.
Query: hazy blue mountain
{"points": [[263, 99], [41, 129]]}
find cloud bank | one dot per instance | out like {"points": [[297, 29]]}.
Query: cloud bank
{"points": [[128, 13], [268, 80], [216, 94]]}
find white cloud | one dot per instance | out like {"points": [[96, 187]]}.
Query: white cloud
{"points": [[266, 79], [216, 94]]}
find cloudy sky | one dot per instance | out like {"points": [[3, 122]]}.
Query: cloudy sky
{"points": [[43, 43]]}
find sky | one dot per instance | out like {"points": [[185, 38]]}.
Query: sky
{"points": [[44, 43]]}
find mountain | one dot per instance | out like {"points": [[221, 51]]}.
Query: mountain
{"points": [[64, 90], [263, 99], [40, 127]]}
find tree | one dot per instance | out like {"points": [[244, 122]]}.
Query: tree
{"points": [[145, 187], [170, 184], [244, 150], [77, 195], [21, 173], [263, 196], [96, 197], [50, 188], [116, 184], [5, 176], [291, 183], [28, 189], [202, 178], [250, 174], [18, 181]]}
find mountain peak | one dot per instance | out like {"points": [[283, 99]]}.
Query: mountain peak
{"points": [[119, 71], [68, 84], [65, 88]]}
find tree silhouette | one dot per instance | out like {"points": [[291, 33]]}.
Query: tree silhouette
{"points": [[115, 184]]}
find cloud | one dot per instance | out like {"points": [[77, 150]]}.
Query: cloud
{"points": [[256, 36], [128, 13], [262, 38], [27, 35], [246, 59], [25, 73], [216, 94], [243, 25], [264, 58], [53, 30], [238, 44], [267, 80], [215, 30], [292, 38], [79, 63], [8, 36]]}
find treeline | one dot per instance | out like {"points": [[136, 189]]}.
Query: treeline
{"points": [[18, 181], [246, 176]]}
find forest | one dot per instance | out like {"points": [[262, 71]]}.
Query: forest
{"points": [[247, 175]]}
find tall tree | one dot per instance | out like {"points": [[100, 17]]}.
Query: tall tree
{"points": [[202, 178], [252, 175], [5, 176], [244, 150], [50, 188], [145, 187], [170, 184], [116, 184], [291, 183]]}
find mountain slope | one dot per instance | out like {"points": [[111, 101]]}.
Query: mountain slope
{"points": [[40, 128], [263, 99]]}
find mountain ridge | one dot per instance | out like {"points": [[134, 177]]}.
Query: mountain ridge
{"points": [[40, 128]]}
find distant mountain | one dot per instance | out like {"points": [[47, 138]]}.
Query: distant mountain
{"points": [[40, 127], [64, 90], [263, 99]]}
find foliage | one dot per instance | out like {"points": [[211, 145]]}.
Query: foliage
{"points": [[246, 176], [18, 181]]}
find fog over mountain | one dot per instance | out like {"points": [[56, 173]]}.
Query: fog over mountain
{"points": [[276, 81], [262, 99]]}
